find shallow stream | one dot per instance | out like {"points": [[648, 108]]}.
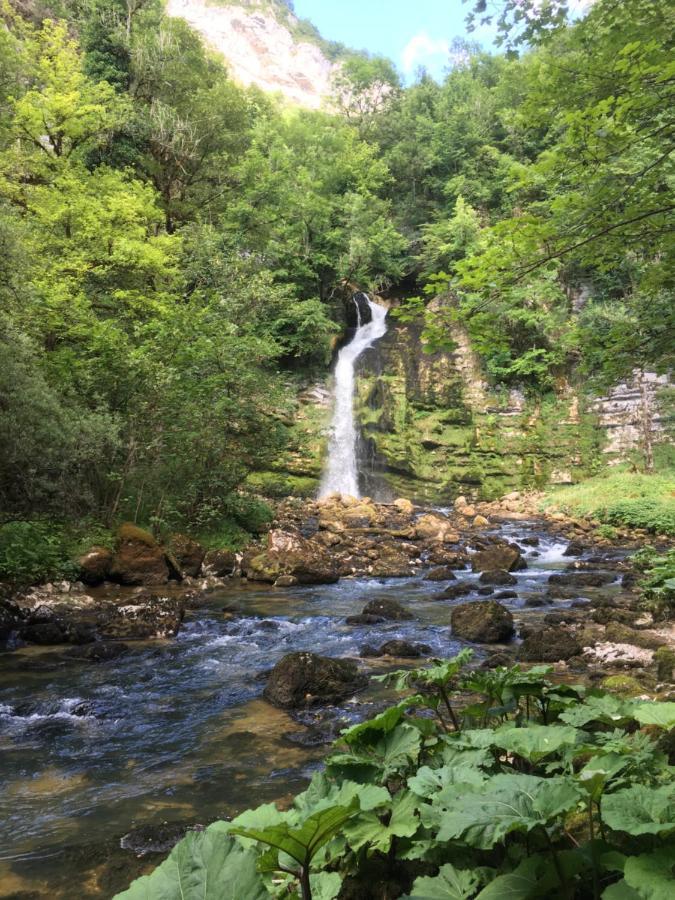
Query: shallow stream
{"points": [[176, 731]]}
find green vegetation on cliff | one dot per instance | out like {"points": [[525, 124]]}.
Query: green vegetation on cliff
{"points": [[174, 249]]}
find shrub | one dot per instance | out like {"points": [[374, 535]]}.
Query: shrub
{"points": [[33, 550]]}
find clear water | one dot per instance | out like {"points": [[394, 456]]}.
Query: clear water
{"points": [[177, 731]]}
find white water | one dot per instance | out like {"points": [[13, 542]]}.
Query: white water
{"points": [[341, 470]]}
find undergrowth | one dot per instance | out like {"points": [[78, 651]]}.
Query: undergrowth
{"points": [[533, 790], [622, 498]]}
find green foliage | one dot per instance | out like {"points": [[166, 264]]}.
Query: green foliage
{"points": [[32, 550], [620, 497], [658, 582], [488, 811]]}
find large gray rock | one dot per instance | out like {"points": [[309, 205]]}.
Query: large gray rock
{"points": [[305, 679], [482, 621]]}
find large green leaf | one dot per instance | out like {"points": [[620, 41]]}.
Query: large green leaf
{"points": [[303, 841], [506, 803], [604, 708], [652, 713], [372, 728], [536, 741], [391, 753], [325, 885], [620, 891], [641, 810], [449, 884], [323, 792], [651, 874], [207, 865], [427, 782], [368, 828]]}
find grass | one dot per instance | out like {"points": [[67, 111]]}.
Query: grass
{"points": [[620, 497]]}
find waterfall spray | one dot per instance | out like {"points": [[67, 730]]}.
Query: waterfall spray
{"points": [[341, 473]]}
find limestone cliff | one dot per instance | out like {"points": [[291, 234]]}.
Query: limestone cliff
{"points": [[263, 45]]}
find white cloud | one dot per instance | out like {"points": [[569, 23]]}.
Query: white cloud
{"points": [[420, 48]]}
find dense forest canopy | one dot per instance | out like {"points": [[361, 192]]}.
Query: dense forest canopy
{"points": [[172, 243]]}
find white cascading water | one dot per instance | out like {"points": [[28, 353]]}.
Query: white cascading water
{"points": [[341, 472]]}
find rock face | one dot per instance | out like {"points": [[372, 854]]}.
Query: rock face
{"points": [[483, 621], [261, 48], [305, 679], [138, 558]]}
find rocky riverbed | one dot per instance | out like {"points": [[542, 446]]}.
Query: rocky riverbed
{"points": [[174, 688]]}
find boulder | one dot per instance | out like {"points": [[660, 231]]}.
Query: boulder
{"points": [[480, 522], [582, 579], [289, 553], [98, 651], [138, 558], [220, 563], [440, 573], [444, 556], [461, 589], [365, 619], [387, 609], [399, 648], [12, 617], [482, 621], [549, 645], [405, 507], [499, 556], [435, 528], [305, 679], [468, 511], [149, 616], [497, 576], [188, 554], [95, 565], [574, 548]]}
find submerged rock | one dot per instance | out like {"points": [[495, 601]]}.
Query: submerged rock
{"points": [[461, 589], [582, 579], [482, 621], [365, 619], [398, 648], [305, 679]]}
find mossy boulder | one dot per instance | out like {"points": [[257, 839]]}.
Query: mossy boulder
{"points": [[623, 685], [290, 554], [138, 558], [497, 576], [220, 563], [306, 679], [549, 645], [665, 664], [482, 621]]}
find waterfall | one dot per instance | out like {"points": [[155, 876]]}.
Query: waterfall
{"points": [[341, 470]]}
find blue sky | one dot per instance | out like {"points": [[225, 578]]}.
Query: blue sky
{"points": [[410, 32]]}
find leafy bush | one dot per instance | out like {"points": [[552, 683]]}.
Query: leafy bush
{"points": [[30, 551], [658, 584], [533, 790]]}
